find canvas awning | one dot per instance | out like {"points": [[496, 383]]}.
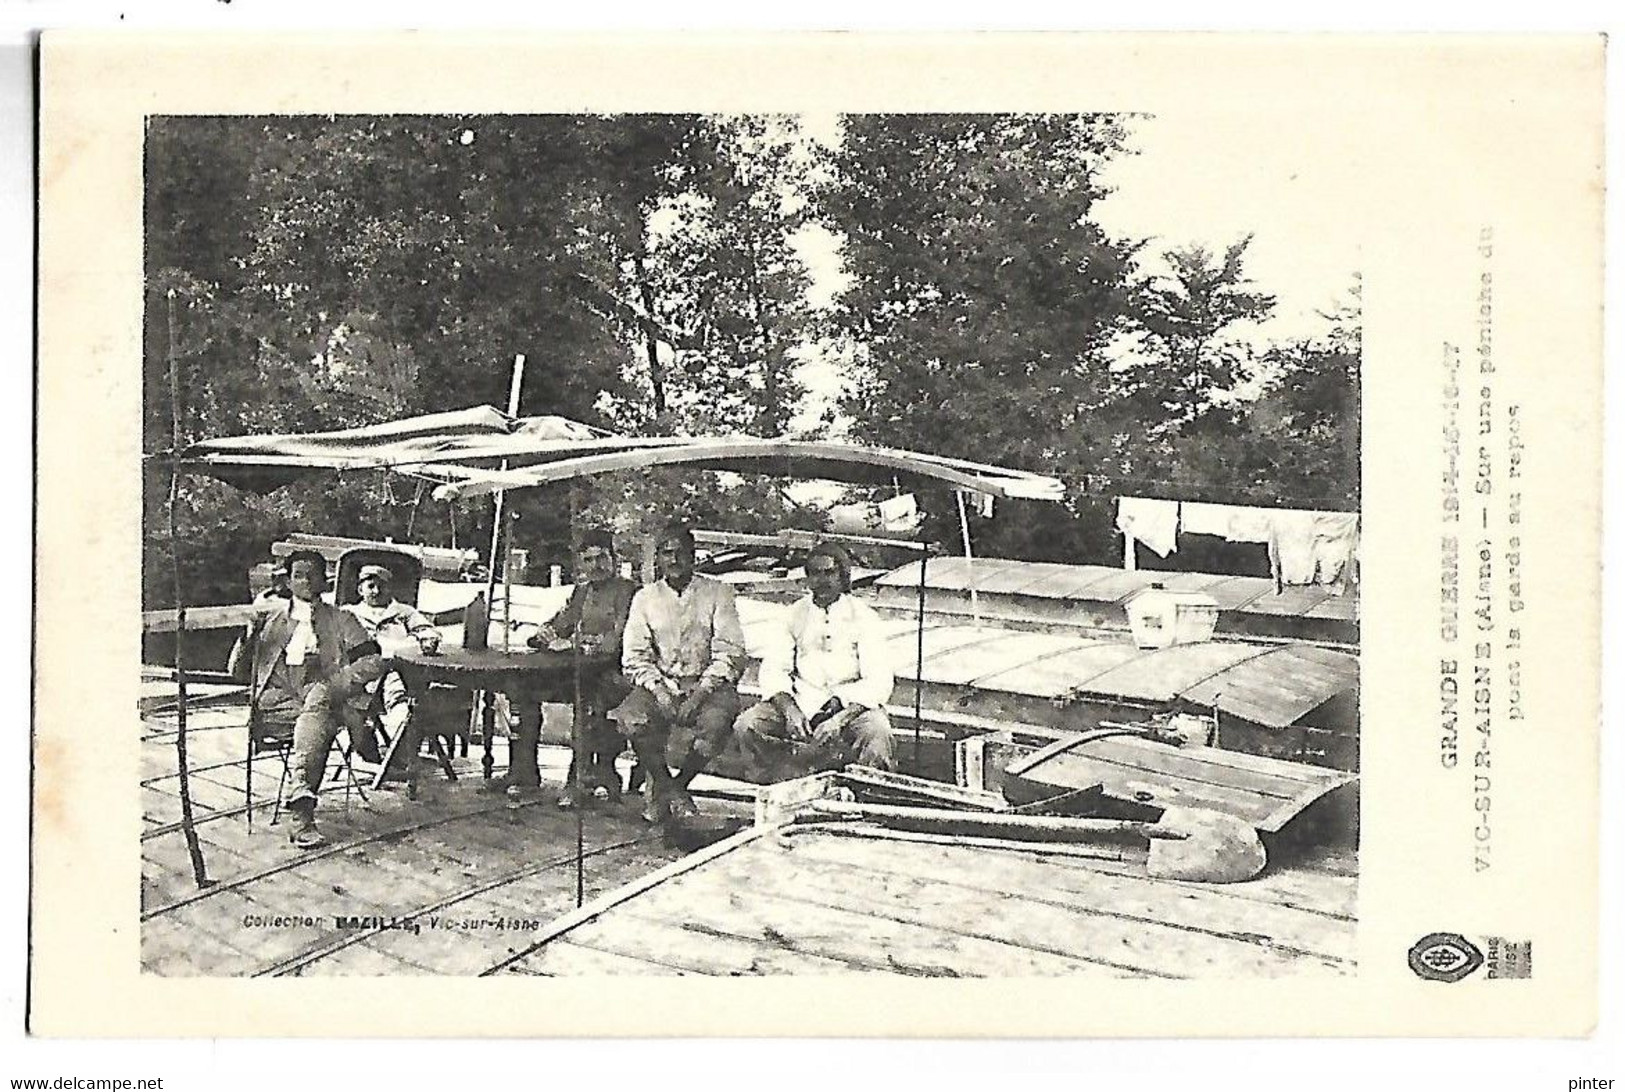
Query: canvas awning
{"points": [[465, 452], [477, 436], [823, 459]]}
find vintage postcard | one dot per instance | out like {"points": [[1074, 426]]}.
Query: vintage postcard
{"points": [[961, 535]]}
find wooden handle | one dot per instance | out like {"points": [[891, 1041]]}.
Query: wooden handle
{"points": [[1049, 826]]}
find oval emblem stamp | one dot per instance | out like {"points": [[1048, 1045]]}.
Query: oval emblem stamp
{"points": [[1445, 957]]}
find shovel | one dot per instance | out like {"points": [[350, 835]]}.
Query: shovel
{"points": [[1185, 843]]}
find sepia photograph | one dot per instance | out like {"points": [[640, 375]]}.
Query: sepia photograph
{"points": [[806, 535], [741, 544]]}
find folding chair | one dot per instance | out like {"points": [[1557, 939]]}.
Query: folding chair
{"points": [[264, 739]]}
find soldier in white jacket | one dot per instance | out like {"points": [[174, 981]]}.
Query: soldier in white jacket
{"points": [[825, 679]]}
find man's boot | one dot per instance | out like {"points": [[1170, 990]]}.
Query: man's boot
{"points": [[303, 832], [573, 794]]}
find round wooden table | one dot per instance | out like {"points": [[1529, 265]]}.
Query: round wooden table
{"points": [[525, 675]]}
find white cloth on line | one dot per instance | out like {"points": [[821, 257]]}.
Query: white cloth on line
{"points": [[1312, 548], [1337, 536], [899, 514], [1252, 524], [1234, 522], [980, 503], [1199, 518], [1153, 522], [1292, 547]]}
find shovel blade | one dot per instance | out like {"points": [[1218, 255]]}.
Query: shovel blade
{"points": [[1212, 848]]}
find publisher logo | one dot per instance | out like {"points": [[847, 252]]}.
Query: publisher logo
{"points": [[1445, 957], [1509, 958]]}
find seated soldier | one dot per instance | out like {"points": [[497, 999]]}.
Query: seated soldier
{"points": [[683, 654], [396, 626], [308, 665], [594, 620], [825, 679]]}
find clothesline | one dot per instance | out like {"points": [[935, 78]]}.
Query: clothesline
{"points": [[1306, 546], [1109, 485]]}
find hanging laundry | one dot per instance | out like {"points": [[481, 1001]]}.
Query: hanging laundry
{"points": [[900, 515], [1198, 518], [980, 503], [1292, 547], [1252, 524], [1337, 536], [861, 518], [1233, 522], [1153, 522], [1312, 548]]}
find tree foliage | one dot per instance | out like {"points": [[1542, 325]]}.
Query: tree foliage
{"points": [[311, 273], [984, 297], [1189, 353], [325, 272]]}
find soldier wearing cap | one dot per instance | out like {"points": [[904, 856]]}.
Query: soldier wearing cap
{"points": [[396, 627]]}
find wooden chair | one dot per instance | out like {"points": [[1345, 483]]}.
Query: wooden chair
{"points": [[405, 568]]}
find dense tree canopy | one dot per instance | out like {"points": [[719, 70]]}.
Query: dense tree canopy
{"points": [[321, 272]]}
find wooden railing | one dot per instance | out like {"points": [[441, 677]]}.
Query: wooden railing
{"points": [[198, 618]]}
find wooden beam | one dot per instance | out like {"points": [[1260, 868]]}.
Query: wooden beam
{"points": [[795, 539], [971, 841], [954, 795], [1061, 746], [198, 618]]}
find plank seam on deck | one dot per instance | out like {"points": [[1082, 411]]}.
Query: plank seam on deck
{"points": [[1105, 761], [1257, 940], [608, 901], [333, 947], [1077, 957], [322, 854]]}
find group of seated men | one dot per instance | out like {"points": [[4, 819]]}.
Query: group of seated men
{"points": [[825, 676]]}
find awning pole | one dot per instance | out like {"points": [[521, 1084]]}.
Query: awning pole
{"points": [[501, 494], [507, 581], [919, 652], [193, 849], [578, 738], [970, 570], [487, 699]]}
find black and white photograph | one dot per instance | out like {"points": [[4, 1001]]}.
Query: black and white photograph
{"points": [[741, 544], [890, 539]]}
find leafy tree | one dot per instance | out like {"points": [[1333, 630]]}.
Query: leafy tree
{"points": [[714, 291], [1297, 443], [985, 301], [1189, 354], [329, 272]]}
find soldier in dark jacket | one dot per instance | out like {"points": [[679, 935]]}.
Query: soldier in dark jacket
{"points": [[593, 620], [308, 666]]}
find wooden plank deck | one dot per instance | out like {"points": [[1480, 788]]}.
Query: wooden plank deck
{"points": [[820, 902], [447, 884], [458, 882]]}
